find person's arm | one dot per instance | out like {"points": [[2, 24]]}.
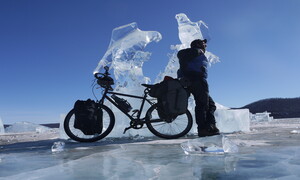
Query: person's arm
{"points": [[189, 54], [181, 54]]}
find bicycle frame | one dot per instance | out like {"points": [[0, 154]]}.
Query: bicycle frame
{"points": [[144, 99]]}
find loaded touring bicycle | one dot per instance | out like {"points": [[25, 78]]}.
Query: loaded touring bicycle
{"points": [[91, 121]]}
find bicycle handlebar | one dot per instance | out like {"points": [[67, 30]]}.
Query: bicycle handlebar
{"points": [[96, 75], [105, 74], [104, 80]]}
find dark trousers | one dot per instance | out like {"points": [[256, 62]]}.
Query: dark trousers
{"points": [[205, 106]]}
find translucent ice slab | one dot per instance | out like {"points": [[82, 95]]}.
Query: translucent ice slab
{"points": [[233, 120], [209, 145]]}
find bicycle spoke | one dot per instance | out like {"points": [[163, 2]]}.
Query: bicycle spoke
{"points": [[168, 129], [78, 135]]}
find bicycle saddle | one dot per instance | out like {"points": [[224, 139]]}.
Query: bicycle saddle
{"points": [[148, 85]]}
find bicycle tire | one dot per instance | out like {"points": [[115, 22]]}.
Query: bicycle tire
{"points": [[179, 127], [77, 135]]}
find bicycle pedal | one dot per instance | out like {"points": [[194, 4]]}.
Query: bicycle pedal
{"points": [[135, 111]]}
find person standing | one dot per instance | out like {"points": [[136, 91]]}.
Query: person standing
{"points": [[193, 68]]}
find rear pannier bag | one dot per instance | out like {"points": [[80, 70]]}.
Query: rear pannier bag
{"points": [[88, 117], [172, 98]]}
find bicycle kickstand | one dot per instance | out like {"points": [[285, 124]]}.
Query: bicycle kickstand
{"points": [[135, 124], [126, 129]]}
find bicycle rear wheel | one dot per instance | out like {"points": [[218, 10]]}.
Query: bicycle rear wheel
{"points": [[78, 135], [178, 127]]}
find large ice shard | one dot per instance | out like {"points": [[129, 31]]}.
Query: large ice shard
{"points": [[126, 55], [187, 32]]}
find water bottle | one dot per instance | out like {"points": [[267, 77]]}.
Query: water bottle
{"points": [[122, 103]]}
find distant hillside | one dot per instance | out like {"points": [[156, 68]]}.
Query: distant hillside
{"points": [[278, 107]]}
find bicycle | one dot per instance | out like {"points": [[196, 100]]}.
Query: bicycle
{"points": [[164, 128]]}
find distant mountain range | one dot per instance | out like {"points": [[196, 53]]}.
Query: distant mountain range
{"points": [[278, 107]]}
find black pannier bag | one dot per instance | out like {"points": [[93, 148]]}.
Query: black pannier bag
{"points": [[88, 118], [172, 98]]}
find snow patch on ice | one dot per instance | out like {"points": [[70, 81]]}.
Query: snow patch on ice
{"points": [[21, 127]]}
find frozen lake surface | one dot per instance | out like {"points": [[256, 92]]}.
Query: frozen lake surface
{"points": [[271, 150]]}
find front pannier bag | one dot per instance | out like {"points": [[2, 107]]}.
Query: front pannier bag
{"points": [[88, 117]]}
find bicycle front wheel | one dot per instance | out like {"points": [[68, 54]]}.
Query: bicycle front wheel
{"points": [[176, 128], [78, 135]]}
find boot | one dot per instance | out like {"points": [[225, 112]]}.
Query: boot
{"points": [[205, 132], [213, 128]]}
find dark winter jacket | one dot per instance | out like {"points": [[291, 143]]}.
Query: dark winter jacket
{"points": [[193, 64]]}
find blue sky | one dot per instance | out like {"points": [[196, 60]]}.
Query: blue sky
{"points": [[49, 49]]}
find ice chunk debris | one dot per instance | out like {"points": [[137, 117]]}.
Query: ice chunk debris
{"points": [[295, 132], [209, 145], [261, 117], [58, 146]]}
